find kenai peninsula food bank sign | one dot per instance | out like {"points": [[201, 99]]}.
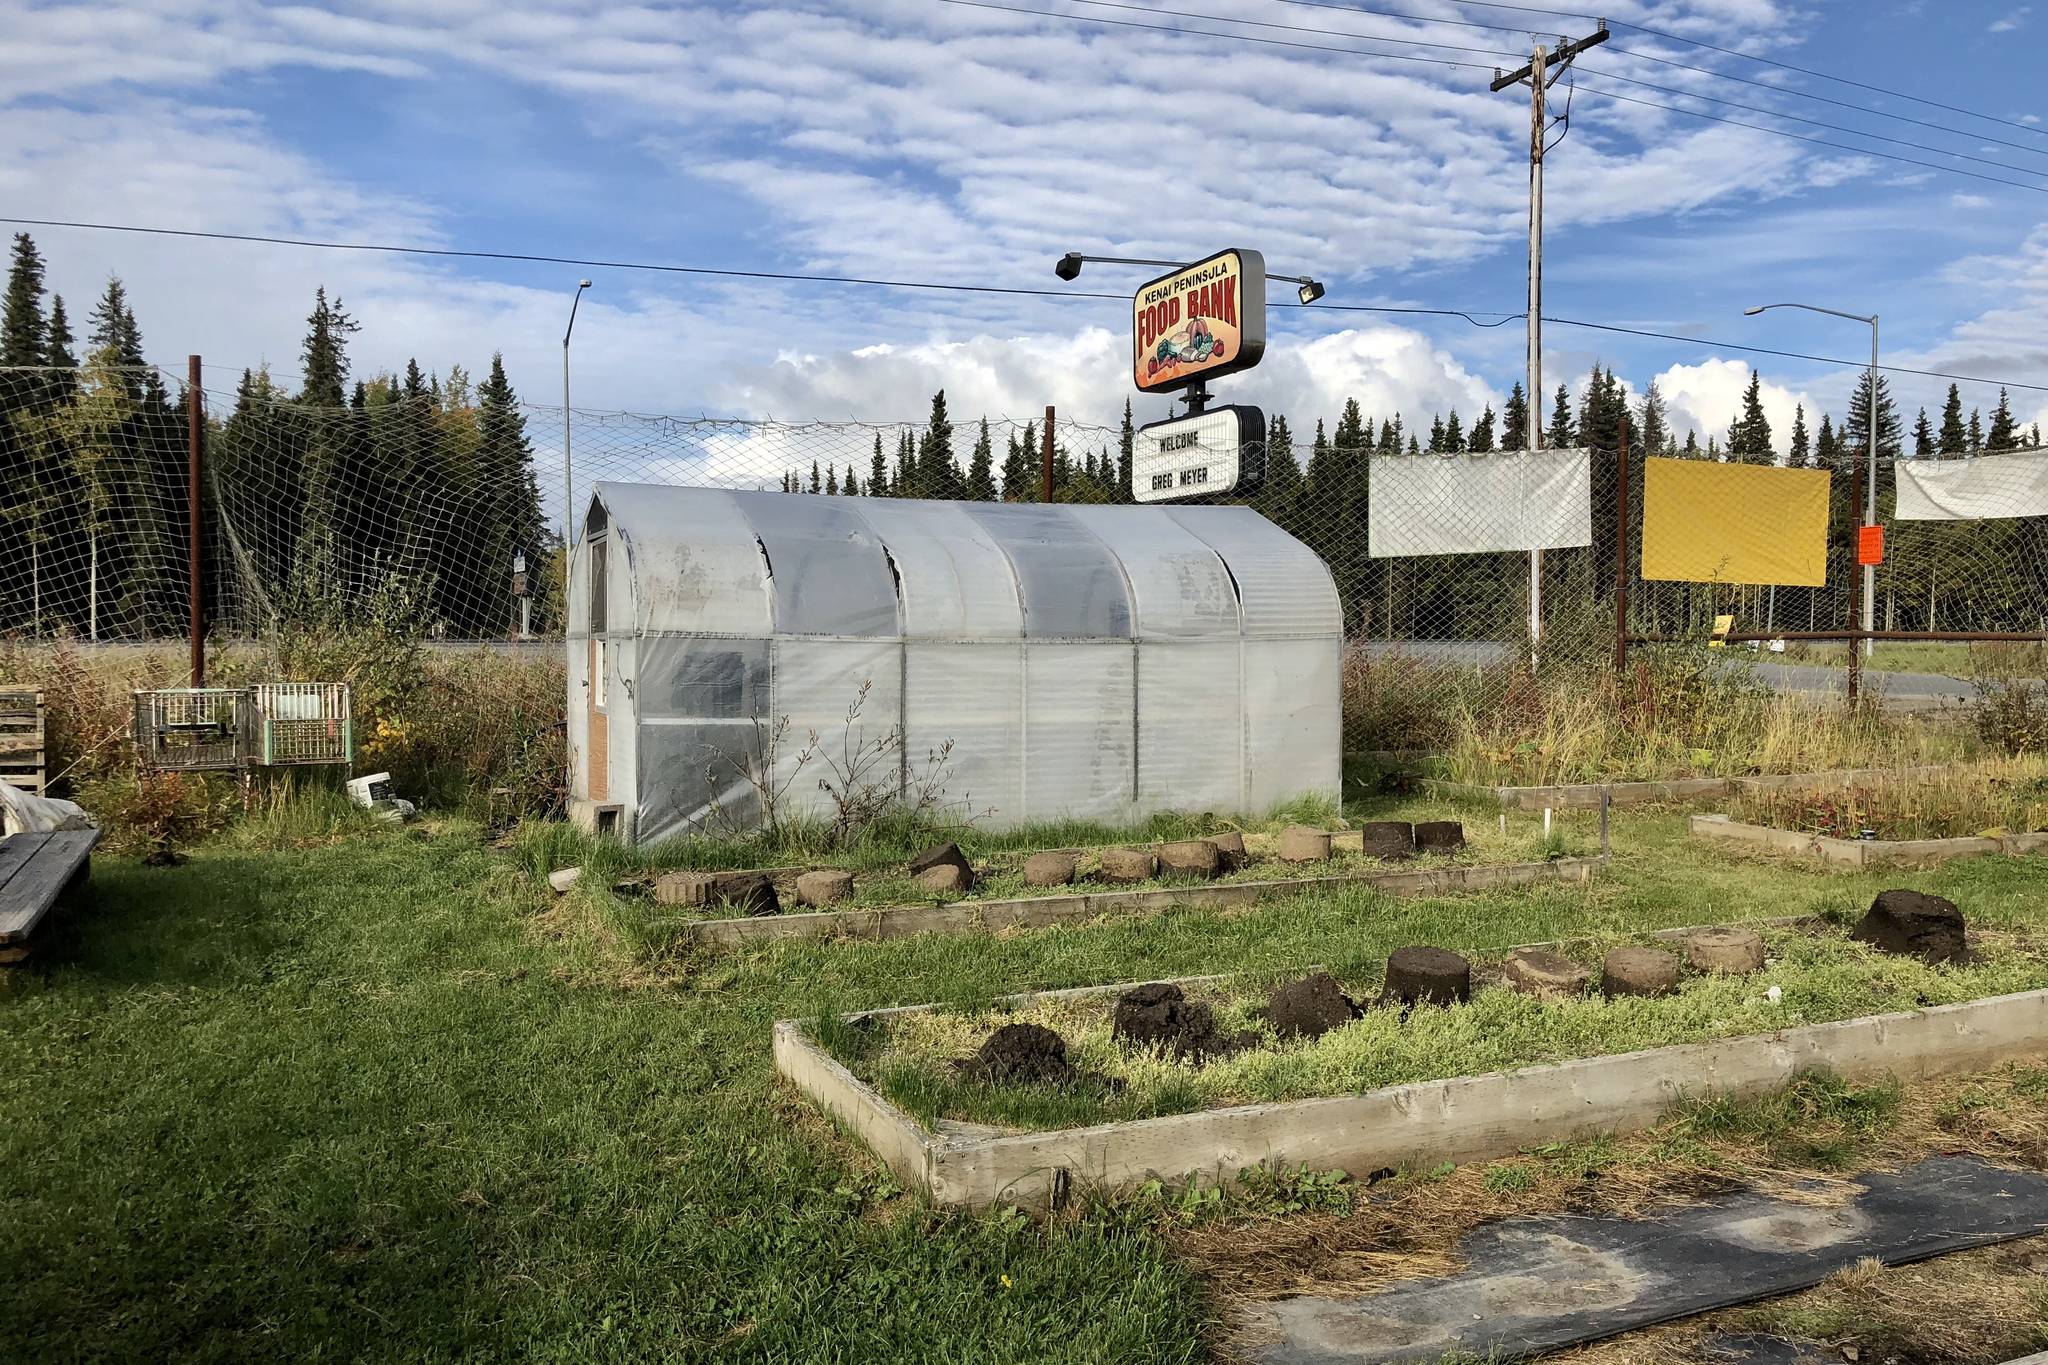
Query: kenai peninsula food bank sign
{"points": [[1201, 322]]}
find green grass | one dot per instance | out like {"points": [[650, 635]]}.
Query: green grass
{"points": [[385, 1099], [1823, 977]]}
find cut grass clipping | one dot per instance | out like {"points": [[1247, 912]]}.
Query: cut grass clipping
{"points": [[1821, 974]]}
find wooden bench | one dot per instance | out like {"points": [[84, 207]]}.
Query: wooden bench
{"points": [[36, 871]]}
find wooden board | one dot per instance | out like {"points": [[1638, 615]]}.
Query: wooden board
{"points": [[1036, 912], [36, 869], [1860, 853], [1462, 1119]]}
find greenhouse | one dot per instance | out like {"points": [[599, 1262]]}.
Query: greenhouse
{"points": [[729, 651]]}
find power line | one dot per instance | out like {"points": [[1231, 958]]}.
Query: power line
{"points": [[1402, 57], [1767, 61], [1605, 75], [662, 268], [1816, 141], [1639, 55], [1205, 33], [1471, 316]]}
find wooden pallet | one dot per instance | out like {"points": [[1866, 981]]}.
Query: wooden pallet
{"points": [[37, 871], [22, 756]]}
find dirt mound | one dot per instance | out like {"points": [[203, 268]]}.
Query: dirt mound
{"points": [[1021, 1053], [1913, 924], [1310, 1007], [1160, 1015]]}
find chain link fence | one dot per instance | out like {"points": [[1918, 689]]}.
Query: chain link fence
{"points": [[422, 507]]}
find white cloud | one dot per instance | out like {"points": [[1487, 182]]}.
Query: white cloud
{"points": [[1969, 201], [1707, 397], [2012, 20]]}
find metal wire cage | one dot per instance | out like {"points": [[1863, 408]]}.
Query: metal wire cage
{"points": [[188, 728], [302, 723]]}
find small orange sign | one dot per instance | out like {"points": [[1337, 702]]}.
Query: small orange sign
{"points": [[1870, 545]]}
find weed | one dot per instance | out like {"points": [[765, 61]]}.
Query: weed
{"points": [[1509, 1178]]}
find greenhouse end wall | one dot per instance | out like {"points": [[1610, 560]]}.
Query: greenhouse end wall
{"points": [[1020, 662]]}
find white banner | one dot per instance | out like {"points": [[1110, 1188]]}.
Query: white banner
{"points": [[1472, 504], [1979, 489]]}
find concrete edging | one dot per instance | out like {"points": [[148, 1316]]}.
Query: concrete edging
{"points": [[1586, 795], [1859, 853], [1462, 1119], [1035, 912]]}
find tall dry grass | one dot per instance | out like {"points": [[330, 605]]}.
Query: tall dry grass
{"points": [[1674, 714]]}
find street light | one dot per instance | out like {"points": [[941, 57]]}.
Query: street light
{"points": [[568, 486], [1870, 493], [1068, 267]]}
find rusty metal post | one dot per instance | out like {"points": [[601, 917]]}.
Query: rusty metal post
{"points": [[1621, 556], [195, 456], [1045, 460]]}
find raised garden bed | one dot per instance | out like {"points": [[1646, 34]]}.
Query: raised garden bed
{"points": [[1381, 1092], [1032, 912], [1896, 820], [1589, 795], [1856, 853]]}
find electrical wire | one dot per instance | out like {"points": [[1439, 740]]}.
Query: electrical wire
{"points": [[1816, 141], [1611, 76], [2030, 149], [1471, 316], [1753, 57], [1395, 56]]}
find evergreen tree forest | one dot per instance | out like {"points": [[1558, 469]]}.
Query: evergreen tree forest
{"points": [[405, 497], [398, 498]]}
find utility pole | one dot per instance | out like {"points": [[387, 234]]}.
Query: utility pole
{"points": [[1540, 74]]}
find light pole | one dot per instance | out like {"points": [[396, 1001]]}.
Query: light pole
{"points": [[1870, 492], [568, 484]]}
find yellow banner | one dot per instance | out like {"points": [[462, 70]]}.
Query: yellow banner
{"points": [[1705, 522]]}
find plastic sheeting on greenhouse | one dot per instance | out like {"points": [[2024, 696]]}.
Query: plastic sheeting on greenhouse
{"points": [[731, 651]]}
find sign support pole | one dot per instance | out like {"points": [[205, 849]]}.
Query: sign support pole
{"points": [[1045, 459]]}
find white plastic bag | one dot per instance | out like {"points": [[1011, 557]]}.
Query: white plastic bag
{"points": [[22, 813]]}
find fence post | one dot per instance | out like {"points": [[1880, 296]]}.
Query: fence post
{"points": [[1621, 556], [1045, 459], [195, 455]]}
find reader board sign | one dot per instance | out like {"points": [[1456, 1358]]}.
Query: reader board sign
{"points": [[1200, 322], [1215, 454]]}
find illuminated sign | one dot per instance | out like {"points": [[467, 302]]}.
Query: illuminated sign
{"points": [[1215, 454], [1201, 322]]}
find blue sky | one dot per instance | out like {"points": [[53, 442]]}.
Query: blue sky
{"points": [[916, 139]]}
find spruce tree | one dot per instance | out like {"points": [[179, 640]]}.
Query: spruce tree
{"points": [[981, 472], [1514, 420], [1126, 455], [1692, 444], [508, 493], [1017, 468], [57, 353], [1976, 431], [938, 476], [878, 471], [1923, 437], [1454, 433], [1279, 497], [1652, 421], [832, 480], [323, 360], [1827, 449], [1856, 430], [24, 332], [1799, 453], [851, 487], [1955, 441], [1436, 444], [1481, 440], [817, 486], [1560, 434], [2000, 437], [1749, 437]]}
